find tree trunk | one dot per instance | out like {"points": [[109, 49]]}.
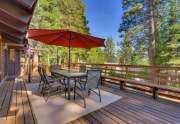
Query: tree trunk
{"points": [[151, 33]]}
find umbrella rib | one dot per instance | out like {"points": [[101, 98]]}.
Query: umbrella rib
{"points": [[55, 39], [90, 39], [86, 37], [43, 34], [78, 38], [86, 44]]}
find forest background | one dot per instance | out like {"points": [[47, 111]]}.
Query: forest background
{"points": [[150, 30]]}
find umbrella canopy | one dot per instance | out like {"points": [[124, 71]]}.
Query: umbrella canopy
{"points": [[66, 38]]}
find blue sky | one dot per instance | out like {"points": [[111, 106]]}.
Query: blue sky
{"points": [[104, 17]]}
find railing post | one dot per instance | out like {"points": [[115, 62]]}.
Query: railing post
{"points": [[158, 75], [124, 82], [154, 90], [105, 73], [126, 69], [122, 85]]}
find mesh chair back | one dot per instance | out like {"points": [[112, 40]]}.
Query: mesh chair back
{"points": [[95, 67], [40, 72], [53, 67], [93, 78], [44, 76], [82, 68]]}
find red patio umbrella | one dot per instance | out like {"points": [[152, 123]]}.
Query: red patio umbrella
{"points": [[66, 38]]}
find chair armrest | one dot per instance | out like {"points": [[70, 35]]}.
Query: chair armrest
{"points": [[51, 80], [82, 85]]}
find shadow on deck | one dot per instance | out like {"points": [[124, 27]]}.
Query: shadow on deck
{"points": [[15, 107]]}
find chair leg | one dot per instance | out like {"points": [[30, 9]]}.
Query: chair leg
{"points": [[99, 95], [89, 92], [42, 89], [39, 85], [48, 93], [84, 100], [74, 93], [84, 103], [65, 92]]}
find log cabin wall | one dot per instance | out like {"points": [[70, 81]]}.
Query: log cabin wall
{"points": [[10, 57], [13, 62], [1, 58], [15, 17]]}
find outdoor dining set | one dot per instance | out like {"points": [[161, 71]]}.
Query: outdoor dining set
{"points": [[81, 83]]}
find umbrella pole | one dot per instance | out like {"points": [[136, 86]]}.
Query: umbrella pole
{"points": [[57, 57], [69, 59], [69, 53]]}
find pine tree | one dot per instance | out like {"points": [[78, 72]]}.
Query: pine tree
{"points": [[159, 36], [61, 14], [168, 33], [151, 32], [173, 46], [72, 16], [133, 29], [110, 50]]}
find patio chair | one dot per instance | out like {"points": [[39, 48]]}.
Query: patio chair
{"points": [[84, 89], [82, 68], [51, 84], [55, 66], [41, 83], [62, 80], [41, 76]]}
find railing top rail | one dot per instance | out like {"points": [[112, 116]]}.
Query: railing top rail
{"points": [[134, 66]]}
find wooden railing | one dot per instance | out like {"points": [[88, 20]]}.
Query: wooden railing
{"points": [[153, 74], [158, 75]]}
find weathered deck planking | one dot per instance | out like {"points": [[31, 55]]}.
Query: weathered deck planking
{"points": [[134, 108], [15, 105]]}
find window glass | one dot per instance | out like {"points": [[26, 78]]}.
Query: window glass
{"points": [[12, 55]]}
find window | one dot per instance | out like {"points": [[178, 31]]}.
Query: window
{"points": [[12, 55], [0, 57]]}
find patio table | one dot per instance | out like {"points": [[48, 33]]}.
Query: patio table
{"points": [[69, 76]]}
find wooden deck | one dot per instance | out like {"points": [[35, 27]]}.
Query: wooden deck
{"points": [[15, 107], [133, 108]]}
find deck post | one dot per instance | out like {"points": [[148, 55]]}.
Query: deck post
{"points": [[101, 80], [154, 91], [122, 85]]}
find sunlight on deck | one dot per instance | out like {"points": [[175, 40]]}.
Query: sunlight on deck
{"points": [[59, 110]]}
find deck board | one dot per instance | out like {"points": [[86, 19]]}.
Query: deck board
{"points": [[3, 94], [136, 108], [15, 106]]}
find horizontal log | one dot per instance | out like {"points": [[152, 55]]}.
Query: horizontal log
{"points": [[161, 76], [134, 66]]}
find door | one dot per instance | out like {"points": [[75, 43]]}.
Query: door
{"points": [[1, 58], [11, 62]]}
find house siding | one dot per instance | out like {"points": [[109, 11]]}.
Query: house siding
{"points": [[9, 68]]}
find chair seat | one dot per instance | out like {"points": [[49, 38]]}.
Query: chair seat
{"points": [[71, 83], [56, 84], [84, 86], [81, 85], [83, 79], [51, 80], [82, 92]]}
